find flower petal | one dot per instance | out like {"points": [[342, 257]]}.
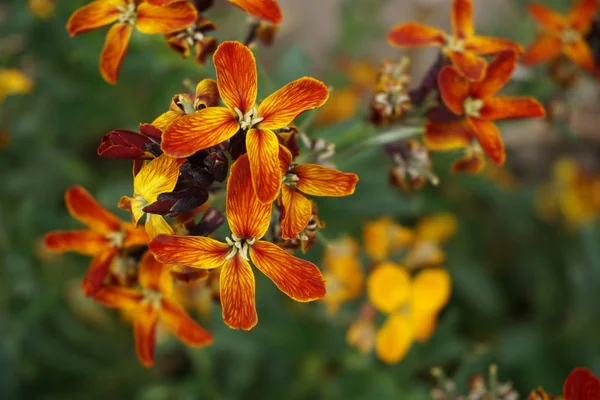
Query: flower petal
{"points": [[267, 10], [207, 93], [161, 3], [165, 119], [413, 34], [296, 211], [548, 18], [423, 325], [454, 89], [388, 287], [84, 242], [192, 251], [144, 332], [469, 64], [485, 45], [152, 272], [182, 325], [263, 154], [94, 15], [545, 47], [383, 236], [511, 108], [236, 75], [317, 180], [489, 138], [430, 291], [158, 176], [581, 54], [135, 236], [247, 216], [394, 339], [237, 294], [581, 14], [473, 162], [118, 297], [172, 18], [113, 53], [448, 135], [497, 75], [97, 271], [157, 225], [83, 207], [280, 108], [299, 279], [581, 384], [461, 18]]}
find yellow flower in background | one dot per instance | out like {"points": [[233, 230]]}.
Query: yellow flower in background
{"points": [[343, 273], [13, 81], [384, 236], [43, 9]]}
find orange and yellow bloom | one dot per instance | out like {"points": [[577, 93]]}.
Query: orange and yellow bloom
{"points": [[266, 10]]}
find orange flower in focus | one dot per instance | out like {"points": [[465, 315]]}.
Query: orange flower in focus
{"points": [[237, 84], [266, 10], [147, 18], [478, 103], [106, 236], [248, 220], [463, 48], [562, 34], [154, 300]]}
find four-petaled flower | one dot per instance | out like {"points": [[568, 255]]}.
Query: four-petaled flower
{"points": [[237, 83], [106, 236], [463, 47], [248, 220], [147, 18]]}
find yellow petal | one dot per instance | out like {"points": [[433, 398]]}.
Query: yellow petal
{"points": [[437, 228], [430, 291], [383, 236], [394, 339], [158, 176], [388, 287], [156, 225]]}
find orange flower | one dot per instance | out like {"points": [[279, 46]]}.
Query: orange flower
{"points": [[249, 220], [478, 103], [237, 84], [267, 10], [311, 179], [153, 301], [106, 235], [463, 48], [562, 34], [147, 18]]}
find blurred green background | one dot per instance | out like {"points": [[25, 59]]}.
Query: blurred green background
{"points": [[525, 291]]}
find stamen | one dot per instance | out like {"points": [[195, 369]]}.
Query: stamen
{"points": [[249, 119], [473, 106], [239, 246], [456, 45], [128, 13]]}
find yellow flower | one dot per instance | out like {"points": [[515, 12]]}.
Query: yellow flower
{"points": [[384, 236], [13, 81], [43, 9], [430, 233], [343, 273]]}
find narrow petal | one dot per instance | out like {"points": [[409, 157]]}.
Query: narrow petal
{"points": [[511, 108], [237, 294], [236, 75], [299, 279], [263, 155], [83, 207], [182, 325], [152, 272], [489, 138], [267, 10], [97, 271], [454, 89], [296, 211], [545, 48], [189, 134], [317, 180], [144, 332], [118, 297], [485, 45], [461, 18], [388, 287], [581, 54], [157, 225], [84, 242], [93, 15], [247, 216], [135, 236], [161, 3], [394, 339], [285, 159], [282, 107], [113, 53], [158, 176], [469, 64], [172, 18], [192, 251], [430, 291], [447, 136], [497, 75], [549, 19], [581, 14], [413, 34]]}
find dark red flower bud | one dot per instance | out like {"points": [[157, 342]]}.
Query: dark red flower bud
{"points": [[125, 144]]}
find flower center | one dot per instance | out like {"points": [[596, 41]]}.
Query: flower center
{"points": [[239, 245], [473, 107], [185, 104], [249, 119], [569, 36], [152, 296], [455, 44], [191, 35], [128, 13], [116, 238], [290, 179]]}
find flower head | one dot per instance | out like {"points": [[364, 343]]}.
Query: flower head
{"points": [[194, 38], [13, 81], [343, 272], [266, 10]]}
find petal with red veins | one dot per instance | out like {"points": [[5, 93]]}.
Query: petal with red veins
{"points": [[182, 325], [413, 34], [97, 271], [84, 208], [94, 15], [238, 294], [489, 138], [469, 64], [172, 18], [461, 17], [317, 180], [296, 211], [511, 108], [193, 251], [84, 242], [267, 10], [498, 73], [144, 332], [263, 155], [454, 89], [236, 75], [113, 53]]}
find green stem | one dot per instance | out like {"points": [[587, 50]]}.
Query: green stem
{"points": [[381, 139]]}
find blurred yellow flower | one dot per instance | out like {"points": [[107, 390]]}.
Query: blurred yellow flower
{"points": [[43, 9], [13, 81], [383, 236], [343, 273]]}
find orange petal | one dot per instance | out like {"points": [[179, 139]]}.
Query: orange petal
{"points": [[472, 162], [263, 154], [461, 18], [485, 45], [285, 159], [497, 75], [454, 89], [84, 242], [113, 53], [94, 15], [546, 47], [172, 18], [144, 331], [83, 207], [448, 135], [581, 14], [192, 251], [317, 180], [394, 339], [118, 297], [165, 119], [182, 325], [236, 75], [581, 54], [267, 10], [469, 64], [299, 279], [151, 272], [237, 294], [158, 176], [280, 108], [97, 271], [200, 130], [549, 19], [413, 34], [135, 236], [207, 93], [161, 3], [247, 216], [489, 138], [511, 108], [296, 211]]}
